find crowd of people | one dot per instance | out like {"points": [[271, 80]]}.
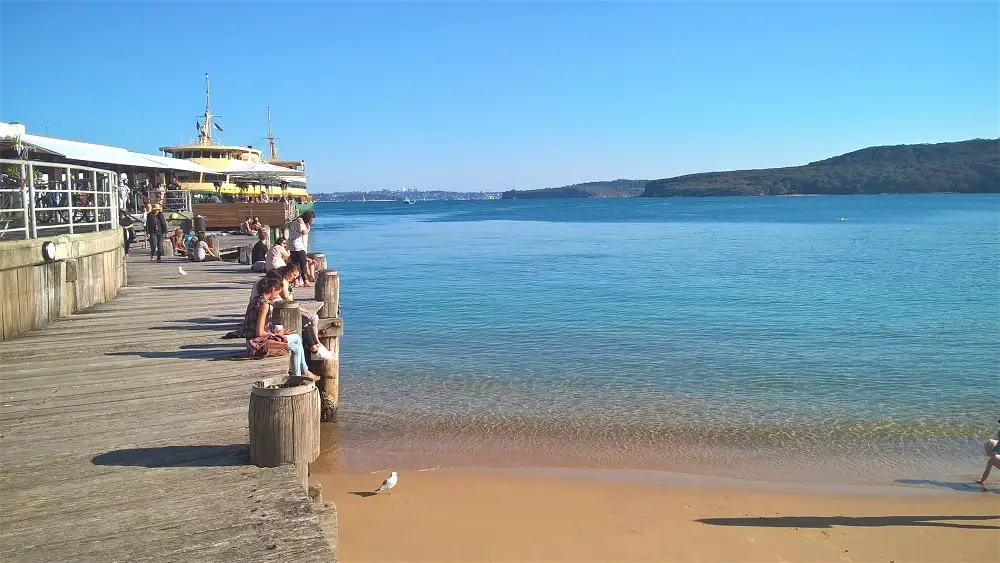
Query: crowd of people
{"points": [[143, 196], [284, 271]]}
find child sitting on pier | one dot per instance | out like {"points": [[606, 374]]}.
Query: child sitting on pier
{"points": [[263, 340]]}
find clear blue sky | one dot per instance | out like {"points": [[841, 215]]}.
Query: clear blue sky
{"points": [[471, 96]]}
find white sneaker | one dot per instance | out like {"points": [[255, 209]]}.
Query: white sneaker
{"points": [[322, 352]]}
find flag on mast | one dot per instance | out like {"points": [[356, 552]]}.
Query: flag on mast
{"points": [[197, 125], [217, 126]]}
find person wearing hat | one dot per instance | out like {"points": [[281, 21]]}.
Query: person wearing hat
{"points": [[156, 227], [992, 457]]}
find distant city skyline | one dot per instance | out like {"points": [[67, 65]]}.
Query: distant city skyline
{"points": [[494, 97]]}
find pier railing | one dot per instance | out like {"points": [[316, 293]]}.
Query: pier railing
{"points": [[40, 199]]}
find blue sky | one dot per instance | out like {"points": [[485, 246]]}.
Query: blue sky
{"points": [[471, 96]]}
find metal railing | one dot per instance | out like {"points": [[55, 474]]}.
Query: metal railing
{"points": [[47, 199]]}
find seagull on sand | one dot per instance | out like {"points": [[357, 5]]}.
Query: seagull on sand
{"points": [[181, 271], [389, 483]]}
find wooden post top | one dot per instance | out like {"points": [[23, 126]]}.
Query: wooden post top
{"points": [[327, 273], [284, 386], [282, 304], [315, 254]]}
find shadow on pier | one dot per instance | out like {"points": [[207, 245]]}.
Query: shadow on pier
{"points": [[177, 456], [854, 521], [233, 285], [190, 352], [218, 322]]}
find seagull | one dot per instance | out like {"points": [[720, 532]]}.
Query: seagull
{"points": [[181, 271], [389, 483]]}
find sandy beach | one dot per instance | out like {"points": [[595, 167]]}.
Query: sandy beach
{"points": [[502, 516]]}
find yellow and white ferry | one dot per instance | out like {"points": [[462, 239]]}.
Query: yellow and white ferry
{"points": [[242, 183]]}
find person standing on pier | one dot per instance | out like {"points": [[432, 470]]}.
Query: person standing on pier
{"points": [[298, 240], [156, 227]]}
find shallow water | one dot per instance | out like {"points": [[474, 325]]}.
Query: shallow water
{"points": [[752, 337]]}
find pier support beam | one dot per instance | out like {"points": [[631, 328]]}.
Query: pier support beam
{"points": [[328, 292]]}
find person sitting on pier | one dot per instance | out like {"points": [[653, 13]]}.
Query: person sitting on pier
{"points": [[261, 337], [200, 251], [277, 256], [246, 225], [310, 320], [177, 243], [258, 254]]}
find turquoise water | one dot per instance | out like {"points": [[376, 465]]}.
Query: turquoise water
{"points": [[760, 337]]}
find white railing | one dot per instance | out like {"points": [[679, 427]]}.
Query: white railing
{"points": [[39, 199]]}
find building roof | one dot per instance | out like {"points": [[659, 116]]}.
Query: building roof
{"points": [[102, 154]]}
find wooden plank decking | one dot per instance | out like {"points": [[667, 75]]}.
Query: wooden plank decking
{"points": [[123, 433]]}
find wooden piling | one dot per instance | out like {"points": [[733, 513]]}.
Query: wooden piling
{"points": [[284, 424], [287, 314], [330, 329]]}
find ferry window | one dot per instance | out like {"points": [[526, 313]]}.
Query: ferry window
{"points": [[196, 154]]}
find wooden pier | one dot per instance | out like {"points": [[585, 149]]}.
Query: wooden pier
{"points": [[123, 433]]}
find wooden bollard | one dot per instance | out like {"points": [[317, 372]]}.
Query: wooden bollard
{"points": [[330, 329], [319, 258], [245, 254], [287, 314], [284, 424]]}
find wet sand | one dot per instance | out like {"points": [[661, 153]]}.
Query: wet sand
{"points": [[530, 516]]}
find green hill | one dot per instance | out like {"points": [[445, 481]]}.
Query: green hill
{"points": [[613, 188], [963, 167]]}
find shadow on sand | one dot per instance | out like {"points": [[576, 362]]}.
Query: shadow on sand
{"points": [[363, 494], [854, 521], [177, 456], [953, 485]]}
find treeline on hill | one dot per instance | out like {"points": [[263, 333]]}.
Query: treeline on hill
{"points": [[612, 188], [962, 167]]}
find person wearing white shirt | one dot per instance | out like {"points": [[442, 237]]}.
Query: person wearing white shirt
{"points": [[299, 243]]}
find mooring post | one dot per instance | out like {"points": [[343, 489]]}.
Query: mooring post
{"points": [[287, 314], [330, 328], [284, 424]]}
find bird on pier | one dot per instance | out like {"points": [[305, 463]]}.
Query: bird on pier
{"points": [[389, 483], [181, 271]]}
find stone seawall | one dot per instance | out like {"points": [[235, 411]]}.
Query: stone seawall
{"points": [[87, 269]]}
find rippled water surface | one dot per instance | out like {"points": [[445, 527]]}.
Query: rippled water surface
{"points": [[738, 336]]}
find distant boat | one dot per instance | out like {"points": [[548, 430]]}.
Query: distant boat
{"points": [[407, 201]]}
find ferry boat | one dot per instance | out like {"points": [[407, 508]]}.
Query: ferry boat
{"points": [[243, 184]]}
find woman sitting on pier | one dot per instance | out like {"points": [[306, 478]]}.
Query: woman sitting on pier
{"points": [[310, 333], [263, 340], [177, 243], [277, 256]]}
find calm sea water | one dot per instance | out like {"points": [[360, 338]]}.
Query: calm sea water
{"points": [[753, 337]]}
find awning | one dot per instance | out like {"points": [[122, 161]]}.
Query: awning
{"points": [[242, 168], [103, 154], [87, 152], [176, 164]]}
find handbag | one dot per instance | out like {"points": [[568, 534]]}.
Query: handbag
{"points": [[268, 345]]}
